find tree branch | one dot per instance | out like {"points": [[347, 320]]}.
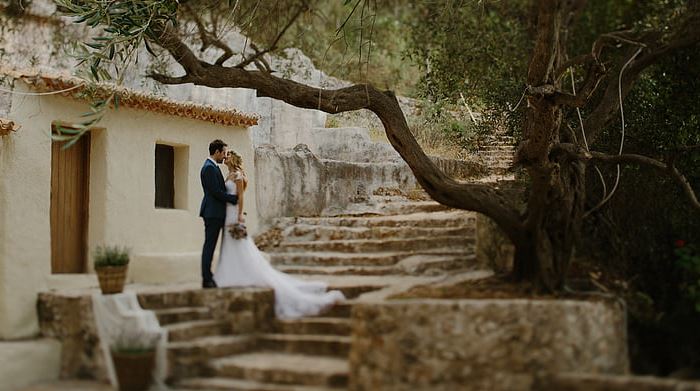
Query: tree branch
{"points": [[669, 168], [259, 53], [208, 38], [686, 35], [165, 79], [167, 37], [16, 8], [442, 188], [594, 76], [544, 53]]}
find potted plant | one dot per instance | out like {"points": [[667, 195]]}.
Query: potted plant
{"points": [[111, 264], [134, 355]]}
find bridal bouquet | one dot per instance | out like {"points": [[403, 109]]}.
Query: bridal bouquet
{"points": [[238, 231]]}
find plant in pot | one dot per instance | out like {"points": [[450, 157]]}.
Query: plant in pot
{"points": [[111, 264], [134, 357]]}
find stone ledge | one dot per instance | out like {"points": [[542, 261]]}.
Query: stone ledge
{"points": [[587, 382], [483, 344]]}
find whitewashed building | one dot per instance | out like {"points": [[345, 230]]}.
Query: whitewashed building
{"points": [[133, 180]]}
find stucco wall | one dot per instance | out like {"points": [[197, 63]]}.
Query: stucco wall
{"points": [[121, 207], [24, 363]]}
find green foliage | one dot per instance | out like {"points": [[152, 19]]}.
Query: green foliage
{"points": [[364, 46], [105, 256], [444, 129], [135, 341], [478, 48], [689, 261]]}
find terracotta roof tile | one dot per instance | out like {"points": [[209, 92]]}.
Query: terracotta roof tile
{"points": [[76, 88], [7, 126]]}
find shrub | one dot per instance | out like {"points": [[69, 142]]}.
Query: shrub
{"points": [[105, 256], [132, 341], [689, 261]]}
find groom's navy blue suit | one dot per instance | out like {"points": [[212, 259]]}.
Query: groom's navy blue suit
{"points": [[213, 210]]}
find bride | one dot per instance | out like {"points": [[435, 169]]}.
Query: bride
{"points": [[242, 264]]}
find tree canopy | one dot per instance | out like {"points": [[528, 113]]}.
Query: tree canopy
{"points": [[571, 62]]}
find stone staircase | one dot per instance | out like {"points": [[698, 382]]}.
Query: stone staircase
{"points": [[497, 154], [400, 238], [357, 254], [301, 354]]}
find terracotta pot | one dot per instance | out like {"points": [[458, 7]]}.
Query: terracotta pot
{"points": [[111, 278], [134, 370]]}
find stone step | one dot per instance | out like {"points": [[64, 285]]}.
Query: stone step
{"points": [[497, 162], [339, 310], [339, 270], [211, 347], [315, 325], [313, 344], [352, 291], [385, 258], [376, 245], [486, 157], [438, 219], [490, 160], [420, 264], [170, 299], [221, 383], [304, 232], [168, 316], [187, 331], [336, 259], [283, 368], [505, 155], [401, 208], [497, 148], [189, 358]]}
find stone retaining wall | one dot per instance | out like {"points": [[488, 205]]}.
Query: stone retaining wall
{"points": [[493, 248], [483, 344], [298, 183]]}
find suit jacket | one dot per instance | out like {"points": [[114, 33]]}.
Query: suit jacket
{"points": [[215, 195]]}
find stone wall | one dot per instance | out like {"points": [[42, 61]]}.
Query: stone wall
{"points": [[493, 248], [483, 344], [298, 183], [351, 144]]}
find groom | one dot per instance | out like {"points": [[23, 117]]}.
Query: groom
{"points": [[213, 208]]}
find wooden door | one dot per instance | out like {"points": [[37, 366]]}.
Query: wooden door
{"points": [[70, 170]]}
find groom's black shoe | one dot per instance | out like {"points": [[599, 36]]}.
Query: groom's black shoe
{"points": [[208, 284]]}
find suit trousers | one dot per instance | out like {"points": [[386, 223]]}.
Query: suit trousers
{"points": [[212, 229]]}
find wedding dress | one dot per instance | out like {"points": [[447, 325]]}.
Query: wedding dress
{"points": [[242, 264]]}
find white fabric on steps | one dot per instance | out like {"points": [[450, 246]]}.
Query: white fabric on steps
{"points": [[119, 312]]}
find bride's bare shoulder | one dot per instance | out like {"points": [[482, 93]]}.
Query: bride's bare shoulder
{"points": [[238, 175]]}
